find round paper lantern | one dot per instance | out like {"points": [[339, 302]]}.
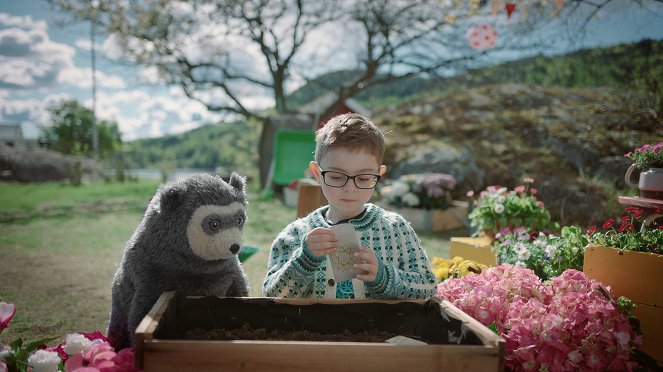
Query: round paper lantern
{"points": [[482, 36]]}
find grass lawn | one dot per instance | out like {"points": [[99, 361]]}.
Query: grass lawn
{"points": [[60, 246]]}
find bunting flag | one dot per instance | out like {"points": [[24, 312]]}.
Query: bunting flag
{"points": [[510, 7], [559, 4], [495, 6], [482, 36]]}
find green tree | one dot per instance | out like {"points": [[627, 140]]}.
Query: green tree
{"points": [[69, 131]]}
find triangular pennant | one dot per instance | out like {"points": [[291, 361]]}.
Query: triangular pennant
{"points": [[510, 7]]}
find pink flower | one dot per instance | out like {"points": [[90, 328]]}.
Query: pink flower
{"points": [[7, 312], [566, 324], [124, 360]]}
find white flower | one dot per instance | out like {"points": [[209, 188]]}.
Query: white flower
{"points": [[399, 189], [500, 198], [520, 247], [539, 243], [44, 361], [551, 250], [5, 351], [76, 343], [521, 264], [523, 255], [410, 199], [499, 208]]}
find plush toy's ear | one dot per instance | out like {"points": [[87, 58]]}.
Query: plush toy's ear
{"points": [[238, 182], [171, 199]]}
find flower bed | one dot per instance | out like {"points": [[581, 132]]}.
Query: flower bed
{"points": [[568, 324], [453, 338], [84, 352]]}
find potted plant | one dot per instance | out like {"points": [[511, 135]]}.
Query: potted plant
{"points": [[546, 254], [498, 208], [630, 261], [648, 159], [425, 200]]}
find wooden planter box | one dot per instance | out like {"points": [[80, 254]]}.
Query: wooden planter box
{"points": [[434, 220], [455, 340], [638, 276], [477, 249]]}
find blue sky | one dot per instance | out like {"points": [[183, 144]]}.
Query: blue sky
{"points": [[41, 63]]}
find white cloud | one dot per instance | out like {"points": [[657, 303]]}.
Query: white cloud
{"points": [[20, 21], [82, 78], [84, 44], [30, 60]]}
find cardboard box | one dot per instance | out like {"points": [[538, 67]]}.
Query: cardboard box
{"points": [[478, 249], [162, 343]]}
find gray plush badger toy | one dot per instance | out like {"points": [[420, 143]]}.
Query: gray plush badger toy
{"points": [[188, 242]]}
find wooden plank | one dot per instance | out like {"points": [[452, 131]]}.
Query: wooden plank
{"points": [[147, 327], [294, 356], [476, 249], [627, 273], [651, 323], [640, 202]]}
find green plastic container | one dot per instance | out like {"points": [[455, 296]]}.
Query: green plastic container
{"points": [[293, 150]]}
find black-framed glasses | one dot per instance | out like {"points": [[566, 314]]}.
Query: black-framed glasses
{"points": [[338, 179]]}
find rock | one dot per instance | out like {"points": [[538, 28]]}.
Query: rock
{"points": [[444, 159], [39, 165]]}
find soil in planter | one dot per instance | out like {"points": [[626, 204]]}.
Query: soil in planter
{"points": [[246, 332], [207, 318]]}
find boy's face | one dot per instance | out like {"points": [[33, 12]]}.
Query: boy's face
{"points": [[347, 201]]}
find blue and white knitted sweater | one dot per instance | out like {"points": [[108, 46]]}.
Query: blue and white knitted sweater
{"points": [[404, 271]]}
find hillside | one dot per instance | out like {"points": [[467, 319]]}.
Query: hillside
{"points": [[565, 121], [637, 66]]}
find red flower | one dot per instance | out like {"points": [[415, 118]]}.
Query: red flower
{"points": [[625, 226], [638, 213], [631, 209], [660, 227], [592, 230], [608, 223]]}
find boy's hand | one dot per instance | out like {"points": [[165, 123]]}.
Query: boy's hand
{"points": [[369, 265], [321, 241]]}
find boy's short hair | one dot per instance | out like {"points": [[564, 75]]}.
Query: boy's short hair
{"points": [[351, 131]]}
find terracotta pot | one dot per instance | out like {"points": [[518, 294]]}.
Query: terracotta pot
{"points": [[650, 182]]}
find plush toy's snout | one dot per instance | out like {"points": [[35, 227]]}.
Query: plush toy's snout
{"points": [[234, 248]]}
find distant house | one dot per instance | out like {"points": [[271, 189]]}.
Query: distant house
{"points": [[11, 134], [318, 105]]}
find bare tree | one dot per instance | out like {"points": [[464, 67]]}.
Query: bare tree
{"points": [[228, 53]]}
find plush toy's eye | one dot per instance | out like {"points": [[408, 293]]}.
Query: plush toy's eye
{"points": [[240, 221], [214, 224]]}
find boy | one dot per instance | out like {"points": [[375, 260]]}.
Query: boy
{"points": [[349, 151]]}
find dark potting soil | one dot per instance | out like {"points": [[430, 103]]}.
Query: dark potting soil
{"points": [[246, 332]]}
